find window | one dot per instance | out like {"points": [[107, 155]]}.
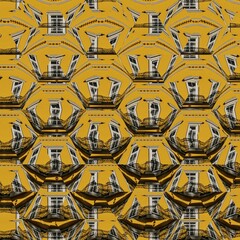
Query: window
{"points": [[231, 209], [213, 91], [93, 185], [172, 136], [153, 202], [172, 61], [93, 136], [190, 4], [192, 228], [72, 207], [34, 62], [55, 204], [232, 64], [16, 136], [55, 235], [155, 24], [230, 113], [212, 40], [169, 14], [135, 15], [93, 226], [134, 64], [154, 236], [176, 233], [132, 111], [74, 116], [176, 179], [16, 184], [215, 136], [93, 86], [33, 115], [134, 155], [191, 47], [192, 181], [134, 208], [93, 4], [113, 39], [176, 39], [114, 182], [93, 47], [154, 111], [113, 233], [213, 180], [56, 187], [115, 86], [191, 213], [192, 86], [72, 65], [56, 23], [211, 231], [73, 155], [16, 88], [35, 207], [155, 187], [176, 95], [92, 214], [231, 157], [54, 68], [116, 136], [154, 159], [55, 113], [192, 136], [34, 156], [172, 157], [55, 160]]}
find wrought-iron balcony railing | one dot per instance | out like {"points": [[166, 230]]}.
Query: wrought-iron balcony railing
{"points": [[196, 51], [146, 124], [10, 51], [226, 214], [102, 190], [149, 25], [195, 99], [10, 190], [14, 101], [54, 25], [197, 189], [146, 76], [147, 212], [58, 76], [51, 212], [111, 146], [103, 234], [16, 146], [53, 167], [53, 123], [149, 167], [234, 77], [228, 122], [187, 145], [232, 168], [97, 50]]}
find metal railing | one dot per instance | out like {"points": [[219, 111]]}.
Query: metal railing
{"points": [[194, 145], [54, 76], [97, 50], [233, 77], [146, 76], [10, 51], [149, 25], [196, 51], [54, 25], [100, 146], [9, 190], [228, 121], [104, 190]]}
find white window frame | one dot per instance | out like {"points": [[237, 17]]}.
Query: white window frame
{"points": [[153, 202], [156, 159], [73, 152], [213, 180], [231, 66], [134, 120], [135, 153], [56, 30], [55, 117], [115, 143], [213, 92], [72, 65], [176, 39], [231, 152], [93, 145], [195, 176], [54, 67], [57, 152], [189, 46], [55, 208], [134, 66], [17, 189], [190, 6], [190, 230], [156, 30], [233, 114], [196, 89], [115, 84], [153, 119], [19, 86], [94, 96], [34, 155], [133, 211], [190, 213], [114, 180], [35, 65], [34, 210], [94, 177], [176, 180], [212, 42], [195, 143], [55, 187], [16, 144], [176, 95], [216, 137]]}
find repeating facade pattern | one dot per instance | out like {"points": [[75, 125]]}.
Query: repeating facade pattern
{"points": [[119, 119]]}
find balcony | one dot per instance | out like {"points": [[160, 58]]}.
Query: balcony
{"points": [[49, 212], [196, 189], [186, 145], [228, 122], [194, 100], [232, 168], [9, 191], [10, 51], [53, 167], [158, 26], [102, 190], [235, 77], [225, 214], [53, 76], [95, 146], [15, 147], [14, 234], [53, 123], [148, 168], [196, 51], [147, 76], [100, 51], [157, 125], [15, 102], [52, 25]]}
